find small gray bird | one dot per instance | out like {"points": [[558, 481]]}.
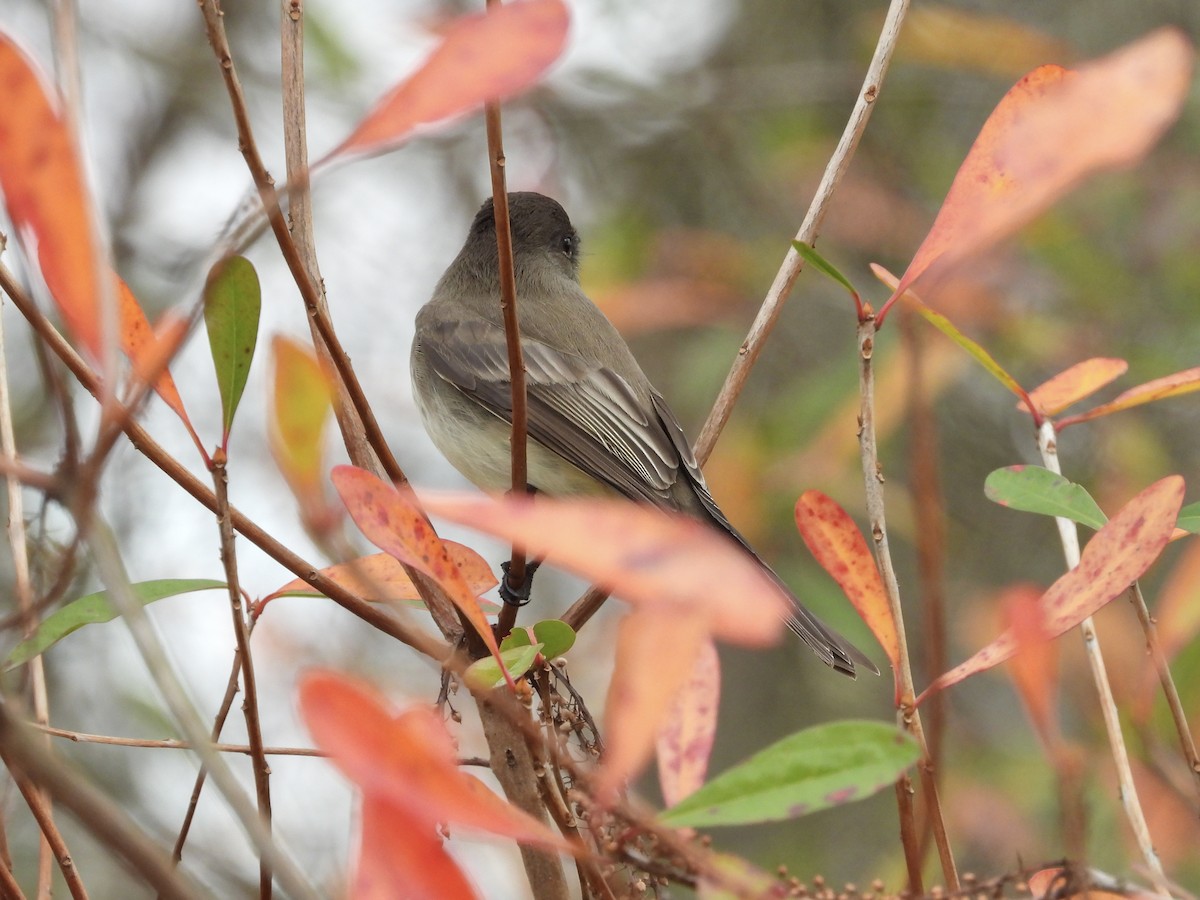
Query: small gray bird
{"points": [[596, 425]]}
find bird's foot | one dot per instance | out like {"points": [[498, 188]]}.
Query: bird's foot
{"points": [[517, 595]]}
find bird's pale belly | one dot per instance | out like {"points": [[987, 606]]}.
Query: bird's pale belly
{"points": [[477, 445]]}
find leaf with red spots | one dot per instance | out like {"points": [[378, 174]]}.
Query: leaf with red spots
{"points": [[646, 557], [394, 523], [380, 578], [1184, 382], [1072, 385], [837, 544], [1114, 558], [656, 652], [1053, 128], [482, 57], [813, 769], [685, 740]]}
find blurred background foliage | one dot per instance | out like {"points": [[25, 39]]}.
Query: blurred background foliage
{"points": [[685, 141]]}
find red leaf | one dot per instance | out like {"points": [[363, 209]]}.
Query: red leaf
{"points": [[407, 760], [1114, 558], [46, 195], [1050, 130], [656, 652], [645, 556], [837, 544], [138, 340], [685, 739], [393, 522], [399, 856], [1073, 384], [1034, 667], [483, 57]]}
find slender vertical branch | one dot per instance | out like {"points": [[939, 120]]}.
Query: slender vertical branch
{"points": [[789, 271], [512, 335], [241, 632], [1069, 535], [909, 717]]}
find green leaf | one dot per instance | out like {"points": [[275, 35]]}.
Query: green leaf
{"points": [[814, 769], [817, 261], [556, 637], [232, 302], [96, 608], [485, 673], [1189, 518], [985, 359], [1038, 490]]}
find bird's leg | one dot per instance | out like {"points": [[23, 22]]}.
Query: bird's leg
{"points": [[517, 594]]}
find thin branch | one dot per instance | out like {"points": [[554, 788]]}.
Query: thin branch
{"points": [[309, 291], [909, 716], [789, 271], [51, 846], [516, 575], [83, 737], [241, 632], [1178, 716], [1048, 447], [231, 690], [106, 821]]}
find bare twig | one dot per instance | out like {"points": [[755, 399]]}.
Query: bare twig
{"points": [[83, 737], [516, 575], [1178, 716], [51, 846], [106, 821], [1048, 447], [909, 717], [789, 271], [231, 690], [241, 632], [309, 291]]}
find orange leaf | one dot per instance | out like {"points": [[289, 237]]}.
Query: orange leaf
{"points": [[643, 555], [656, 653], [483, 57], [399, 856], [381, 579], [685, 739], [393, 522], [1114, 558], [837, 544], [137, 339], [303, 400], [1051, 129], [407, 760], [46, 195], [1073, 384], [1184, 382], [1033, 668]]}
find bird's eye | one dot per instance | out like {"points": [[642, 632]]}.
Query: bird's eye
{"points": [[568, 244]]}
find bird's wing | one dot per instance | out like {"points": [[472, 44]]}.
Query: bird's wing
{"points": [[587, 414]]}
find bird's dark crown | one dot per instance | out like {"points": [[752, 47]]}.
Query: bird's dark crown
{"points": [[536, 221]]}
